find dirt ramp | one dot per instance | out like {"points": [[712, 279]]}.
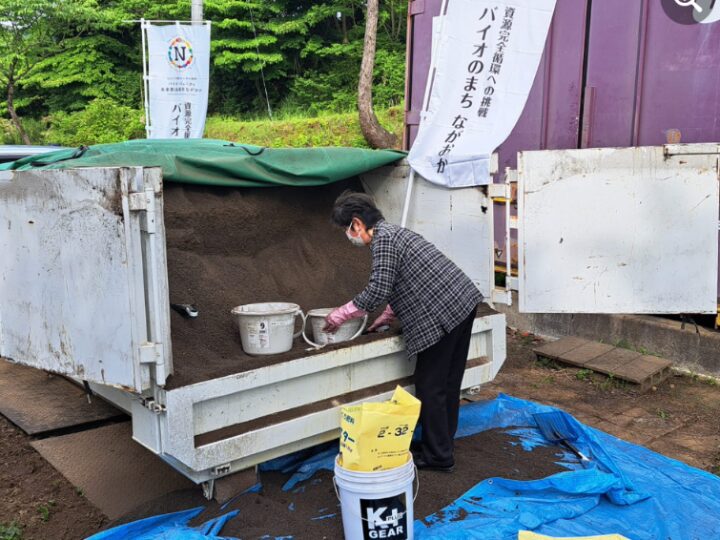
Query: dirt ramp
{"points": [[227, 247]]}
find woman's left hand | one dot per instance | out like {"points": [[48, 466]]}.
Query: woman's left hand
{"points": [[338, 316]]}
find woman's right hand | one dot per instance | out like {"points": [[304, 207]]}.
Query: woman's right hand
{"points": [[386, 317]]}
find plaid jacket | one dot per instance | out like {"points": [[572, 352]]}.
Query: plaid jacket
{"points": [[429, 294]]}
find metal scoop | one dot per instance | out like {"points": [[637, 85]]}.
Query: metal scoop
{"points": [[189, 311]]}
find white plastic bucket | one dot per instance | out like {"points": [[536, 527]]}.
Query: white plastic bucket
{"points": [[348, 331], [376, 505], [268, 327]]}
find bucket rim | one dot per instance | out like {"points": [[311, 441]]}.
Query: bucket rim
{"points": [[320, 312], [264, 309], [409, 464]]}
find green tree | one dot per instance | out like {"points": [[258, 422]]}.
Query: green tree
{"points": [[58, 56], [102, 121], [375, 134], [31, 33]]}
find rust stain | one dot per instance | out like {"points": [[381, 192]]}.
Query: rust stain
{"points": [[673, 136], [125, 388], [112, 200]]}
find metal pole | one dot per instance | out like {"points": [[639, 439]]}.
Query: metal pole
{"points": [[146, 80], [408, 197], [426, 101], [197, 11], [508, 244]]}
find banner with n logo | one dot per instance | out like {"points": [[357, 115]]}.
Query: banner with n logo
{"points": [[176, 79]]}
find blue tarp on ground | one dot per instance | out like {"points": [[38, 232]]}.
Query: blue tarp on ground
{"points": [[169, 527], [625, 489]]}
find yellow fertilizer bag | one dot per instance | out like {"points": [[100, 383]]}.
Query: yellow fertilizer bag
{"points": [[527, 535], [376, 436]]}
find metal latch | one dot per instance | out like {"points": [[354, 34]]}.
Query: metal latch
{"points": [[154, 406], [501, 296], [500, 192], [144, 201], [220, 470], [151, 353], [137, 202]]}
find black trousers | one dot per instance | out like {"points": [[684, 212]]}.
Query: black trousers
{"points": [[438, 376]]}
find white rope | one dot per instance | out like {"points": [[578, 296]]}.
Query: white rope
{"points": [[262, 73]]}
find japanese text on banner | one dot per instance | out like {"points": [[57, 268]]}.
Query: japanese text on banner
{"points": [[177, 81], [475, 102]]}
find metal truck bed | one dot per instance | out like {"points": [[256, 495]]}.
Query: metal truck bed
{"points": [[217, 427], [84, 292]]}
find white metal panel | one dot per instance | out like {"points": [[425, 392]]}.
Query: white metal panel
{"points": [[458, 221], [215, 404], [628, 230], [72, 293]]}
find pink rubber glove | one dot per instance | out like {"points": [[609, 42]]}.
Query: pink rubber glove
{"points": [[339, 315], [386, 317]]}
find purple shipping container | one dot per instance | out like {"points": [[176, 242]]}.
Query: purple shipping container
{"points": [[613, 73]]}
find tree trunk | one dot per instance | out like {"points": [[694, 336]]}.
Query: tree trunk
{"points": [[13, 114], [392, 20], [344, 30], [376, 135]]}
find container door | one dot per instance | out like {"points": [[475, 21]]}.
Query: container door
{"points": [[83, 280], [619, 230]]}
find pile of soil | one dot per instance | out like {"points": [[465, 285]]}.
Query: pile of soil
{"points": [[311, 510], [227, 247]]}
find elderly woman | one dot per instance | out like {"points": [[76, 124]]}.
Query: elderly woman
{"points": [[434, 301]]}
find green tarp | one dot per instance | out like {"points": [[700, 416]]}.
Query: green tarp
{"points": [[220, 163]]}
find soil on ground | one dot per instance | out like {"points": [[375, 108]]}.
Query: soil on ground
{"points": [[218, 258], [36, 501], [678, 418], [311, 510]]}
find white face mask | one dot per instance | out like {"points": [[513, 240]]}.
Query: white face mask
{"points": [[355, 240]]}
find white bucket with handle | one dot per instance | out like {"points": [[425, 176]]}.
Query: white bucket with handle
{"points": [[348, 331], [268, 327], [376, 504]]}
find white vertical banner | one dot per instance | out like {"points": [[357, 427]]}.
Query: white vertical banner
{"points": [[487, 56], [177, 79]]}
